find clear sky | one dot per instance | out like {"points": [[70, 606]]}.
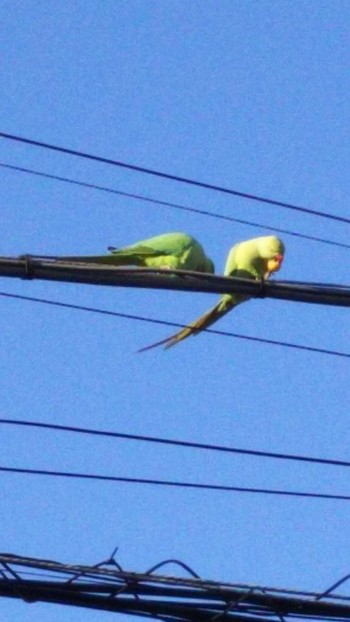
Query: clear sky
{"points": [[251, 95]]}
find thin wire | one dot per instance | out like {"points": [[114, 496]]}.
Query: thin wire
{"points": [[176, 562], [176, 443], [174, 484], [185, 208], [333, 587], [177, 178], [173, 324]]}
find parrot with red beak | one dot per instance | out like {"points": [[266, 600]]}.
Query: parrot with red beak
{"points": [[253, 259]]}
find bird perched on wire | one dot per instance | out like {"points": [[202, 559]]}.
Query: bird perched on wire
{"points": [[253, 259], [177, 251]]}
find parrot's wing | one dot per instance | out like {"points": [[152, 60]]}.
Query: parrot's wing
{"points": [[138, 251], [168, 243], [165, 244], [241, 260], [179, 250], [173, 250]]}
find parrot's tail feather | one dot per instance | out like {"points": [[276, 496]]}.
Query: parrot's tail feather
{"points": [[154, 345], [109, 260], [82, 258], [181, 335], [168, 342], [195, 327]]}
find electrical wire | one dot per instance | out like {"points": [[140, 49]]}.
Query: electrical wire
{"points": [[106, 586], [185, 208], [175, 443], [173, 324], [174, 484], [88, 271], [109, 570], [185, 180]]}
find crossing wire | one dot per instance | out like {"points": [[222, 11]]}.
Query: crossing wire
{"points": [[176, 443], [177, 178], [174, 484], [173, 324], [185, 208]]}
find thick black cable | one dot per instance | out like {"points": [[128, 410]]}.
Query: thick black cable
{"points": [[185, 208], [186, 599], [173, 484], [86, 270], [185, 180], [103, 574], [173, 442], [173, 324]]}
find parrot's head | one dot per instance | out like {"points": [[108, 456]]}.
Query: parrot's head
{"points": [[272, 250]]}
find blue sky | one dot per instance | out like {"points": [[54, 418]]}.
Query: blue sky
{"points": [[250, 95]]}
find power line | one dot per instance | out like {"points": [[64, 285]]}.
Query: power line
{"points": [[105, 586], [176, 484], [177, 178], [185, 208], [90, 272], [175, 443], [109, 570], [173, 484], [173, 324]]}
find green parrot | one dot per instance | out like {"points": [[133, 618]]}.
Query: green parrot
{"points": [[253, 259], [178, 251]]}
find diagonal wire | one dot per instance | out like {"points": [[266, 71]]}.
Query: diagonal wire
{"points": [[175, 443], [128, 316], [185, 180], [333, 587], [174, 484], [177, 206]]}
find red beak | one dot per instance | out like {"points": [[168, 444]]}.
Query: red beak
{"points": [[279, 258]]}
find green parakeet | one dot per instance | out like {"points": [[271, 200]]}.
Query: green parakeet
{"points": [[253, 259], [178, 251]]}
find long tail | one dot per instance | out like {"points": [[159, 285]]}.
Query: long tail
{"points": [[113, 259], [127, 256], [203, 322]]}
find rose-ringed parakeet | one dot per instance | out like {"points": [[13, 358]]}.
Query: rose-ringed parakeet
{"points": [[253, 259], [178, 251]]}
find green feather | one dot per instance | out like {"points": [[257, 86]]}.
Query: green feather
{"points": [[245, 260], [178, 251]]}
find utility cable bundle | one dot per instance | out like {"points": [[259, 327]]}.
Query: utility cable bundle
{"points": [[107, 587]]}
